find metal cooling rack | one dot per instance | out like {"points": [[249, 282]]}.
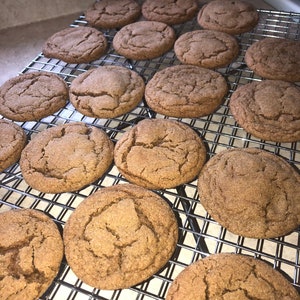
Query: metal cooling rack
{"points": [[199, 234]]}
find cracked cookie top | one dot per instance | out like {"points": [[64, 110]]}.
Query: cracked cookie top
{"points": [[231, 276], [31, 253], [251, 192], [120, 236], [160, 153], [66, 157], [107, 91]]}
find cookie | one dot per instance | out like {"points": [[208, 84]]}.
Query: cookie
{"points": [[32, 96], [185, 91], [31, 253], [76, 45], [107, 91], [120, 236], [233, 17], [170, 12], [66, 157], [160, 154], [144, 40], [275, 58], [108, 14], [277, 120], [251, 192], [231, 276], [12, 141], [206, 48]]}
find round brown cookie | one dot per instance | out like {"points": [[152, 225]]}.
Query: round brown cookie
{"points": [[66, 157], [31, 253], [120, 236], [269, 110], [109, 14], [275, 58], [169, 11], [32, 96], [231, 276], [233, 17], [12, 141], [76, 45], [144, 40], [185, 91], [206, 48], [160, 154], [251, 192], [107, 91]]}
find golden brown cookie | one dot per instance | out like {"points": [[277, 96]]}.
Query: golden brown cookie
{"points": [[185, 91], [160, 153], [12, 141], [107, 91], [66, 157], [231, 276], [275, 58], [251, 192], [31, 253], [76, 45], [144, 40], [32, 96], [120, 236], [268, 109], [233, 17]]}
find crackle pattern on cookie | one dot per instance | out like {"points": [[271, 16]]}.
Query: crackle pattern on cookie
{"points": [[206, 48], [251, 192], [32, 96], [144, 40], [185, 91], [120, 236], [231, 276], [107, 91], [269, 109], [31, 253], [66, 157], [160, 153]]}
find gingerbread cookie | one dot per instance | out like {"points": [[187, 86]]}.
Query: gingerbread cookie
{"points": [[251, 192], [66, 157], [107, 91], [120, 236], [160, 153], [32, 96], [185, 91]]}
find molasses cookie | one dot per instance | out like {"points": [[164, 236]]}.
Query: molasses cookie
{"points": [[269, 110], [109, 14], [185, 91], [170, 12], [206, 48], [275, 58], [231, 276], [66, 157], [32, 96], [107, 91], [76, 45], [233, 17], [144, 40], [251, 192], [160, 154], [120, 236], [12, 141], [31, 253]]}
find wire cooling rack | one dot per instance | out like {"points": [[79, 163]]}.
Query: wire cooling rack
{"points": [[200, 235]]}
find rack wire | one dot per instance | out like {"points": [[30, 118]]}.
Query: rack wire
{"points": [[200, 235]]}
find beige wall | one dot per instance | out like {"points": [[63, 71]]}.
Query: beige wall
{"points": [[20, 12]]}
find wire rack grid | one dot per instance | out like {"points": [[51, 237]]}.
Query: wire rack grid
{"points": [[200, 235]]}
